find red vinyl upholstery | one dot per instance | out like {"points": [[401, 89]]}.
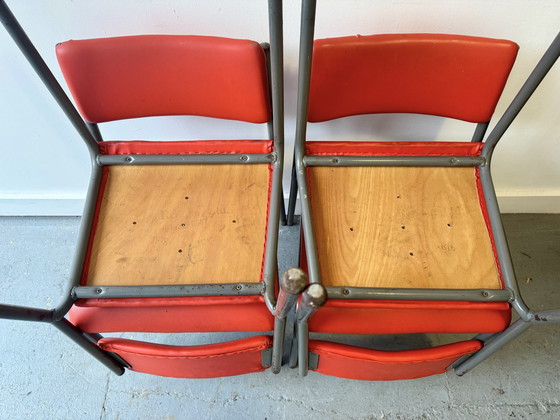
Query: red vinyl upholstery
{"points": [[446, 75], [173, 315], [373, 365], [138, 76], [206, 361]]}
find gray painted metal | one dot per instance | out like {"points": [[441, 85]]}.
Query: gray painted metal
{"points": [[266, 357], [480, 131], [94, 130], [304, 75], [225, 289], [313, 361], [312, 299], [74, 333], [459, 161], [500, 242], [86, 224], [471, 295], [20, 38], [552, 317], [530, 85], [270, 271], [24, 313], [293, 195], [105, 160], [292, 284], [492, 346]]}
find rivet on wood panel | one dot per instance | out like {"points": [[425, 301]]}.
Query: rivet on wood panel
{"points": [[411, 254], [133, 223], [186, 197], [351, 229], [234, 221], [449, 224], [403, 227], [183, 225], [398, 196], [180, 251]]}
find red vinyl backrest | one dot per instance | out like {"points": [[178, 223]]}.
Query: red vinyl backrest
{"points": [[151, 75], [453, 76]]}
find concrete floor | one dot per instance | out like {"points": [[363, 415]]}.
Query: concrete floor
{"points": [[45, 376]]}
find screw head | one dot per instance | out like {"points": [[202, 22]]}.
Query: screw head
{"points": [[244, 158]]}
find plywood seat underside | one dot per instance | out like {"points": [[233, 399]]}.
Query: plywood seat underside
{"points": [[401, 227], [180, 224]]}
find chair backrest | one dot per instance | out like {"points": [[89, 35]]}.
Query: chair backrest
{"points": [[153, 75], [453, 76]]}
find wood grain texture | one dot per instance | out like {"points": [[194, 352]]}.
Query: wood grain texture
{"points": [[401, 227], [181, 224]]}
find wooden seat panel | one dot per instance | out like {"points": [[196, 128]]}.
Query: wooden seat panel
{"points": [[180, 224], [401, 227]]}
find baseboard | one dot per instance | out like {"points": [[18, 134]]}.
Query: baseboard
{"points": [[72, 204], [529, 203], [41, 204]]}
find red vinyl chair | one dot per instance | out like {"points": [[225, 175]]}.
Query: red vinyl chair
{"points": [[178, 221], [403, 237], [176, 236]]}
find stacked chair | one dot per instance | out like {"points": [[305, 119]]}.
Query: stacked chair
{"points": [[176, 236], [398, 238], [404, 237]]}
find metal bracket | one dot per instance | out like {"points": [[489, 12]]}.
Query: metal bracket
{"points": [[313, 361], [266, 357]]}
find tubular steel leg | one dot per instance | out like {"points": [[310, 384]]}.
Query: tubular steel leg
{"points": [[500, 240], [312, 298], [479, 132], [293, 195], [24, 313], [20, 38], [83, 239], [293, 282], [276, 195], [530, 85], [492, 346], [78, 337], [305, 56]]}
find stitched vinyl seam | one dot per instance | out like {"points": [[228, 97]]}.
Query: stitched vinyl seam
{"points": [[328, 353], [209, 152], [111, 348], [486, 217], [388, 154]]}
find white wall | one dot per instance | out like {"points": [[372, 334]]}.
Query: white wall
{"points": [[44, 167]]}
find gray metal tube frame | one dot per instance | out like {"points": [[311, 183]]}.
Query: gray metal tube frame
{"points": [[216, 159], [511, 293], [91, 135], [293, 282]]}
